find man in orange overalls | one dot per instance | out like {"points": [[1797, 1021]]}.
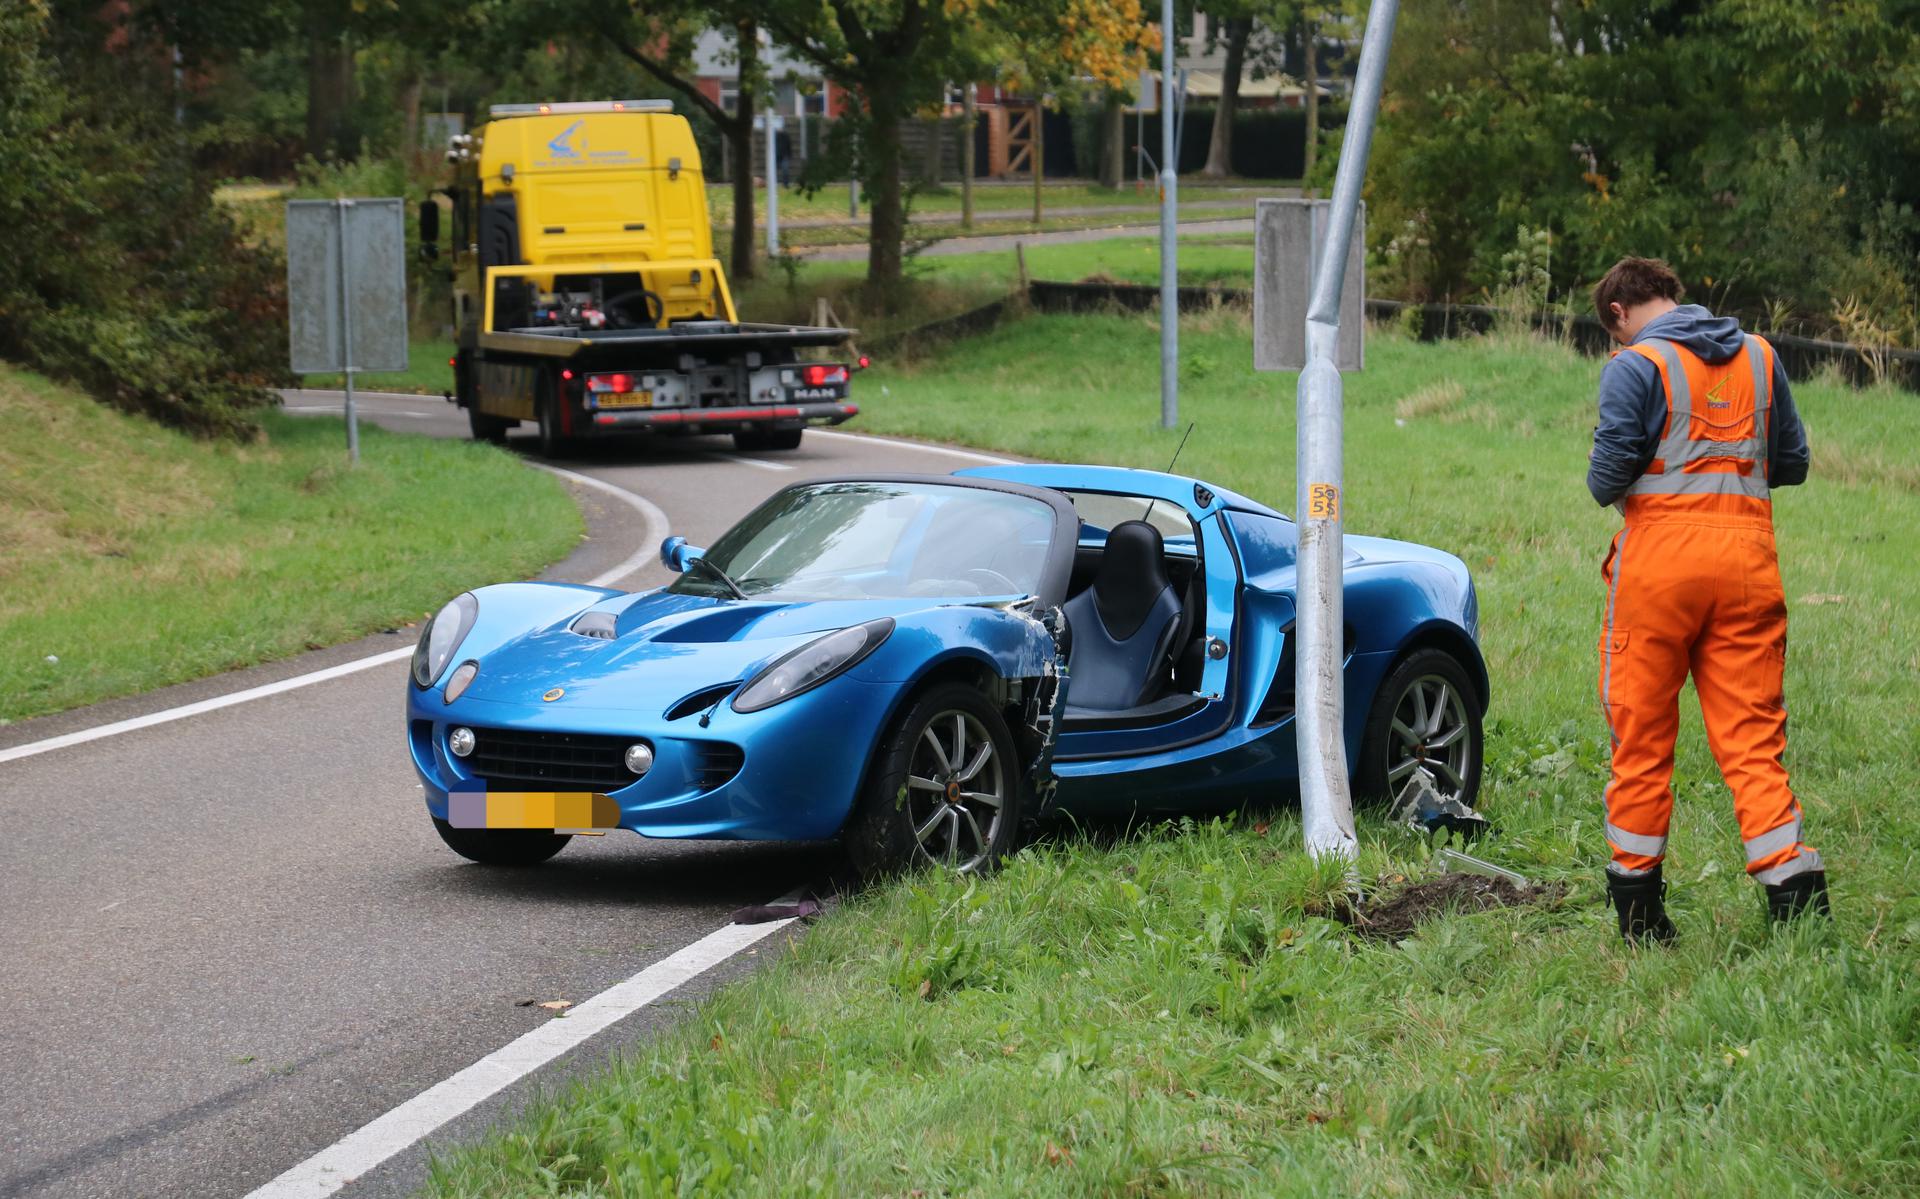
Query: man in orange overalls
{"points": [[1697, 426]]}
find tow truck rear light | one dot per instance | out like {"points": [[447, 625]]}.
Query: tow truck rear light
{"points": [[865, 362], [821, 375], [619, 383]]}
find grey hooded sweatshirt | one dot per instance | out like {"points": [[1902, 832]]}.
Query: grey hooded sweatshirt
{"points": [[1633, 406]]}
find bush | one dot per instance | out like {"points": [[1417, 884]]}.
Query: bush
{"points": [[134, 285]]}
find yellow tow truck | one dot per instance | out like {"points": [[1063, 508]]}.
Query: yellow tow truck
{"points": [[586, 296]]}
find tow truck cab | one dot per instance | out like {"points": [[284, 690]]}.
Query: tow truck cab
{"points": [[586, 296]]}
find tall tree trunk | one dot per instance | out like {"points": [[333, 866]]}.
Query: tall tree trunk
{"points": [[1312, 80], [1038, 157], [970, 116], [1113, 136], [886, 229], [329, 83], [739, 133], [410, 92], [1220, 147]]}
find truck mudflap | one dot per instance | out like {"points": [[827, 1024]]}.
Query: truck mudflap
{"points": [[720, 417]]}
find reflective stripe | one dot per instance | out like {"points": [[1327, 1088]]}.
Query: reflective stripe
{"points": [[1774, 876], [1619, 871], [1640, 843], [1768, 844], [1674, 442], [1717, 482], [1762, 399], [1699, 451]]}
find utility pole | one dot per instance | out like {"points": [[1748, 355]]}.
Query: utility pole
{"points": [[1169, 265], [968, 116], [1326, 800], [772, 120]]}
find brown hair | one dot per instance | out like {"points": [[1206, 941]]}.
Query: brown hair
{"points": [[1634, 281]]}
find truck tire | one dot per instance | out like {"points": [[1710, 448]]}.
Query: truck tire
{"points": [[748, 440], [488, 428], [552, 444], [784, 439]]}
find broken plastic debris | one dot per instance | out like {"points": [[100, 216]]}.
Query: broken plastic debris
{"points": [[1452, 861], [766, 913], [1425, 810]]}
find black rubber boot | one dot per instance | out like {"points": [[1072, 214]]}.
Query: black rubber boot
{"points": [[1797, 896], [1641, 904]]}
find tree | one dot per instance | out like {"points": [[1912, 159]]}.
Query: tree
{"points": [[896, 56], [663, 52]]}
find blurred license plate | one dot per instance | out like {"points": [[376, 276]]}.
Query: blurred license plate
{"points": [[627, 399]]}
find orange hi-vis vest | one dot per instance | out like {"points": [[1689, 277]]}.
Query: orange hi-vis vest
{"points": [[1712, 461]]}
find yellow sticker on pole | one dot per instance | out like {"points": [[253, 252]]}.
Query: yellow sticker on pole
{"points": [[1323, 501]]}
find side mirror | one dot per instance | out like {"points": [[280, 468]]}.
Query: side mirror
{"points": [[676, 555], [429, 227]]}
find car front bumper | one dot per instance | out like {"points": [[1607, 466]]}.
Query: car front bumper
{"points": [[800, 763]]}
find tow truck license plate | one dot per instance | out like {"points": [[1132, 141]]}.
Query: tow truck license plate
{"points": [[626, 399]]}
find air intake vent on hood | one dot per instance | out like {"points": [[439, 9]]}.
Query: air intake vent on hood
{"points": [[597, 625], [700, 701]]}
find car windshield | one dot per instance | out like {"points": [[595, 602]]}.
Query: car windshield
{"points": [[882, 541]]}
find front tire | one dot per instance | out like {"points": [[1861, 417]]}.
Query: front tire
{"points": [[487, 428], [945, 789], [501, 847], [1425, 719]]}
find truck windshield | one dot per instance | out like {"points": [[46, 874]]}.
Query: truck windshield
{"points": [[882, 541]]}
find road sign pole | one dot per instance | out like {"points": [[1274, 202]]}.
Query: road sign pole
{"points": [[1326, 801], [340, 207], [1169, 265], [773, 185]]}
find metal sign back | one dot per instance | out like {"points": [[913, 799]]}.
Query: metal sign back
{"points": [[355, 246], [1287, 239]]}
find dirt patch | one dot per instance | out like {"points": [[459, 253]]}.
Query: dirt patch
{"points": [[1397, 914]]}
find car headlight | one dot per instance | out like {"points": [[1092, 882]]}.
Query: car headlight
{"points": [[442, 636], [811, 665]]}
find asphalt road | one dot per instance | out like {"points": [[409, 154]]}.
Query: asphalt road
{"points": [[229, 940]]}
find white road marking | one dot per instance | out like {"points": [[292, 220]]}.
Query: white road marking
{"points": [[762, 463], [358, 1152], [922, 446], [656, 522], [341, 408]]}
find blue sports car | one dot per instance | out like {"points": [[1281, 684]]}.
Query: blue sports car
{"points": [[919, 665]]}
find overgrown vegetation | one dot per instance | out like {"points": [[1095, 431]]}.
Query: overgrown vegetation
{"points": [[1174, 1012], [1769, 149], [133, 556], [123, 275]]}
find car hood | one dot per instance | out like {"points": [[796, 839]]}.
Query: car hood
{"points": [[664, 647]]}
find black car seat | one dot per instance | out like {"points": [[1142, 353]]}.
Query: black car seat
{"points": [[1123, 624]]}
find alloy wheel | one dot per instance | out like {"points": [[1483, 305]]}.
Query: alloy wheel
{"points": [[956, 791], [1431, 736]]}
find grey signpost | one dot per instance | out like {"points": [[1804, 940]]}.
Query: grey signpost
{"points": [[347, 291], [1169, 264], [771, 123], [1326, 799]]}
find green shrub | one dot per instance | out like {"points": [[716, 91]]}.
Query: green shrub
{"points": [[132, 283]]}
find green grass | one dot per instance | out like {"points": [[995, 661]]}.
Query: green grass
{"points": [[138, 557], [427, 371], [1166, 1015], [831, 201]]}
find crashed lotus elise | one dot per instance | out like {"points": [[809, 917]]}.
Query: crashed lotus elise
{"points": [[919, 665]]}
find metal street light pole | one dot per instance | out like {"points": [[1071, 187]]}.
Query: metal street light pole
{"points": [[773, 182], [1326, 802], [1169, 265]]}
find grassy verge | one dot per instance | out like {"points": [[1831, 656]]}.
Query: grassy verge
{"points": [[831, 202], [427, 371], [135, 557], [1169, 1015]]}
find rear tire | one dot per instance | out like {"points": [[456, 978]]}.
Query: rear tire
{"points": [[748, 440], [552, 444], [1448, 745], [501, 847], [920, 807], [784, 439]]}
